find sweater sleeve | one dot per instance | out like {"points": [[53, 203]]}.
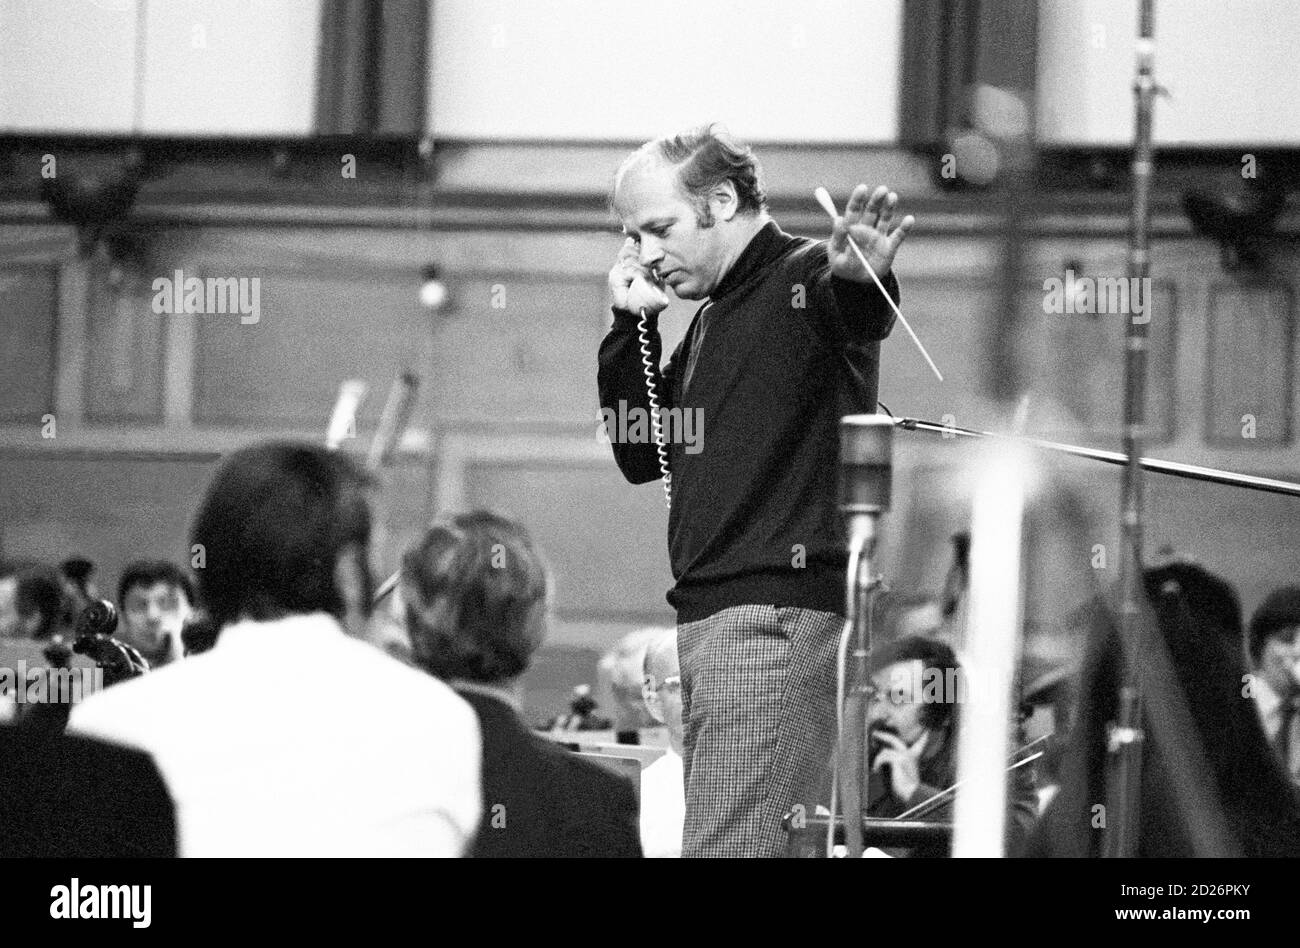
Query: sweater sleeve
{"points": [[622, 383], [853, 312]]}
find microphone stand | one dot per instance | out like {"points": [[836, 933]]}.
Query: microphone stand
{"points": [[866, 464], [1126, 737], [853, 776]]}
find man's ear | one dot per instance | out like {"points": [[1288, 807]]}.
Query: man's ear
{"points": [[724, 202], [350, 579]]}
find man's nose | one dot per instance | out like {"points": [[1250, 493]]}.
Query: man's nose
{"points": [[651, 253]]}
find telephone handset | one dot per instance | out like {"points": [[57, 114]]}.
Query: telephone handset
{"points": [[646, 292], [645, 295]]}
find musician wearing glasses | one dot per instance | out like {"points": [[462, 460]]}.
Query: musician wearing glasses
{"points": [[917, 691]]}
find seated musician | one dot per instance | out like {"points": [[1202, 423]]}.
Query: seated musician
{"points": [[912, 736], [155, 598], [477, 599]]}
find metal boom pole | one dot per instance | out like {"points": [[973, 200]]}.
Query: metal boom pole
{"points": [[1124, 761]]}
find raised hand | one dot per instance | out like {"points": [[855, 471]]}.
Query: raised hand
{"points": [[904, 764], [869, 219]]}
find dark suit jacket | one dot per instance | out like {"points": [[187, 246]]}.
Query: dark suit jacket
{"points": [[72, 797], [552, 802]]}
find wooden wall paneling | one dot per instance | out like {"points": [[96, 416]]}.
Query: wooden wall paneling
{"points": [[107, 507], [507, 410], [29, 299], [125, 350], [73, 354], [1074, 360], [1082, 365], [947, 314], [1186, 267], [479, 248], [518, 349], [1250, 364], [403, 509], [946, 291], [315, 329], [605, 538], [1077, 358], [181, 350]]}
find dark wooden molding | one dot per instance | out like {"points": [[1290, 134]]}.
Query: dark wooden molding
{"points": [[563, 185], [1250, 363]]}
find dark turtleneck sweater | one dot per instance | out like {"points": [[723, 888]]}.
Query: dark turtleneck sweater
{"points": [[754, 518]]}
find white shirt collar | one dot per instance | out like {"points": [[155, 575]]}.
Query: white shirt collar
{"points": [[492, 691], [291, 630]]}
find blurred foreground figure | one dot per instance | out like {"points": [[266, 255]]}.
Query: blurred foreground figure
{"points": [[477, 599], [290, 737], [33, 604], [37, 608], [68, 797], [1252, 810], [619, 678]]}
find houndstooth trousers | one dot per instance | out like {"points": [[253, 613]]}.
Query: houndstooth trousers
{"points": [[758, 706]]}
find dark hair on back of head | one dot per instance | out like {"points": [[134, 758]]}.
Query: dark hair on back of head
{"points": [[1281, 610], [475, 593], [40, 592], [932, 653], [272, 527]]}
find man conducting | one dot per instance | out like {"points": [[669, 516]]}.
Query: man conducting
{"points": [[787, 341]]}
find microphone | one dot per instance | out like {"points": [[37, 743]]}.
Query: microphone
{"points": [[866, 473]]}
